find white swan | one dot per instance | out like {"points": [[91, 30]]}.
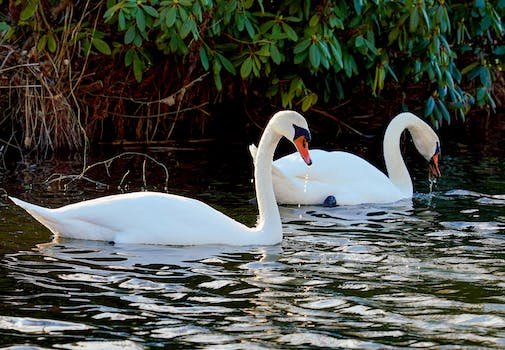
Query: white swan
{"points": [[159, 218], [351, 179]]}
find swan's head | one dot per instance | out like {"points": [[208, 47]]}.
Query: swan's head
{"points": [[293, 126], [428, 144]]}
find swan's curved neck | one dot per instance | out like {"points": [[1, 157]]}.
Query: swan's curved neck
{"points": [[395, 165], [269, 221]]}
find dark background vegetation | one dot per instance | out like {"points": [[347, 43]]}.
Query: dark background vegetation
{"points": [[76, 73]]}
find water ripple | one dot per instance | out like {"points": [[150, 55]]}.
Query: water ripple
{"points": [[407, 275]]}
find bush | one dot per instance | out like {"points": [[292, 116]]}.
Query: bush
{"points": [[307, 53]]}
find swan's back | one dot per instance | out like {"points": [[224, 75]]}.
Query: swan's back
{"points": [[143, 217]]}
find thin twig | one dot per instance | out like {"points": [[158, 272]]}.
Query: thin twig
{"points": [[332, 117], [107, 163]]}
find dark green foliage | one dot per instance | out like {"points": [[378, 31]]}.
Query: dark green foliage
{"points": [[308, 52]]}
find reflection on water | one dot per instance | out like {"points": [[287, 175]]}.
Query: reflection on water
{"points": [[422, 273]]}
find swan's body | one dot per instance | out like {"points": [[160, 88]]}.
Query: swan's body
{"points": [[160, 218], [351, 179]]}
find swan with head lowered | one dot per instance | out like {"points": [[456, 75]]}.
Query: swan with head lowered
{"points": [[351, 179], [161, 218]]}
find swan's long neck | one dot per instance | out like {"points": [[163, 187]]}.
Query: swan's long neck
{"points": [[269, 221], [395, 165]]}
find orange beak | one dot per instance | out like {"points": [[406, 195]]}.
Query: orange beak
{"points": [[303, 148], [433, 166]]}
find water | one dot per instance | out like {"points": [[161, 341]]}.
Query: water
{"points": [[426, 273]]}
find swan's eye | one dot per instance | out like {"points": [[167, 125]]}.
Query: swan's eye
{"points": [[437, 149], [301, 132]]}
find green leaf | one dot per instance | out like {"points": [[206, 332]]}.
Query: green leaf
{"points": [[358, 6], [481, 93], [323, 48], [151, 11], [128, 58], [41, 44], [414, 20], [485, 77], [360, 42], [306, 103], [137, 41], [246, 67], [499, 50], [314, 20], [51, 42], [301, 46], [393, 35], [186, 3], [314, 56], [430, 104], [171, 17], [249, 27], [226, 64], [275, 54], [101, 46], [204, 58], [480, 4], [29, 10], [444, 111], [426, 18], [289, 32], [217, 81], [449, 79], [185, 29], [130, 35], [121, 21], [183, 14], [141, 20], [138, 67]]}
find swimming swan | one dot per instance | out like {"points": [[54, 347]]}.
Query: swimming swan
{"points": [[160, 218], [351, 179]]}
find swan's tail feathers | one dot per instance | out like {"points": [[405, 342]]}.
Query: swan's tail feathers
{"points": [[41, 214], [253, 150]]}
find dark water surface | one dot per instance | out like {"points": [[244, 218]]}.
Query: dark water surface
{"points": [[426, 273]]}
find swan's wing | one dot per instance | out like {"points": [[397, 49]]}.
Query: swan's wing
{"points": [[349, 178], [144, 217]]}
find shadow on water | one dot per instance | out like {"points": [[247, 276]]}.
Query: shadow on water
{"points": [[421, 273]]}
